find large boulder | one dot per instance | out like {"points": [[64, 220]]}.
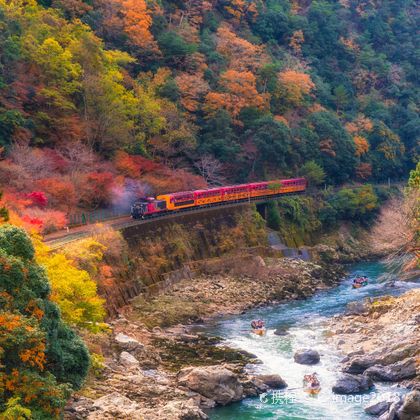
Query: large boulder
{"points": [[378, 408], [383, 356], [127, 343], [214, 382], [128, 361], [272, 381], [405, 369], [306, 357], [410, 408], [352, 384]]}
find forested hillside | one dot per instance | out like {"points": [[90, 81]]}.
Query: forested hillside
{"points": [[101, 100]]}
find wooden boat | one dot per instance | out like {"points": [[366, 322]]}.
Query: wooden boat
{"points": [[313, 390]]}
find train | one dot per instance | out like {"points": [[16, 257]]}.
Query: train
{"points": [[146, 207]]}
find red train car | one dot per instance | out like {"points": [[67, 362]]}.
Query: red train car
{"points": [[145, 207]]}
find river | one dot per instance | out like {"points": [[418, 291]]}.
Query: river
{"points": [[304, 321]]}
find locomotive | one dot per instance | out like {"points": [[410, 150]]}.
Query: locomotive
{"points": [[146, 207]]}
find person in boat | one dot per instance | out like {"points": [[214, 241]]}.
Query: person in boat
{"points": [[257, 324], [359, 281], [311, 381]]}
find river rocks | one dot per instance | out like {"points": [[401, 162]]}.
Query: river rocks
{"points": [[410, 408], [398, 371], [272, 381], [181, 410], [281, 331], [127, 343], [383, 356], [214, 382], [358, 307], [377, 408], [306, 357], [352, 384], [128, 361], [115, 405]]}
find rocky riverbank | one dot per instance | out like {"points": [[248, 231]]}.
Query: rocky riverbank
{"points": [[153, 366], [380, 338]]}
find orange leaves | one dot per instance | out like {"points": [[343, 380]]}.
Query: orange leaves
{"points": [[61, 192], [137, 23], [295, 85], [362, 145], [241, 92], [360, 124], [241, 54], [9, 322], [34, 356], [238, 9], [127, 165], [350, 44], [296, 41], [364, 170], [192, 87]]}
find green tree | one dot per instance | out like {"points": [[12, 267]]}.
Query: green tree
{"points": [[329, 145], [414, 180], [314, 173]]}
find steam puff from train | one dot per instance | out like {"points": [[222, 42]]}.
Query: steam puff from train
{"points": [[151, 207]]}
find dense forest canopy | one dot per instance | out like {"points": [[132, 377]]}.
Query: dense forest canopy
{"points": [[101, 97]]}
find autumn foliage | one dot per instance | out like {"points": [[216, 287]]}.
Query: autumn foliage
{"points": [[41, 358]]}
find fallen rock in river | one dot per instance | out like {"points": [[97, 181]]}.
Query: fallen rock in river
{"points": [[127, 343], [378, 408], [352, 384], [410, 409], [307, 357], [214, 382], [405, 369], [272, 381]]}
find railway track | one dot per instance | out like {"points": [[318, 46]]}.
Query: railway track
{"points": [[58, 239]]}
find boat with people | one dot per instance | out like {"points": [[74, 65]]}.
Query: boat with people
{"points": [[311, 384], [258, 327], [359, 282]]}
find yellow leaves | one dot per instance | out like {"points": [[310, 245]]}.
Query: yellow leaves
{"points": [[295, 85], [362, 145], [73, 289]]}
